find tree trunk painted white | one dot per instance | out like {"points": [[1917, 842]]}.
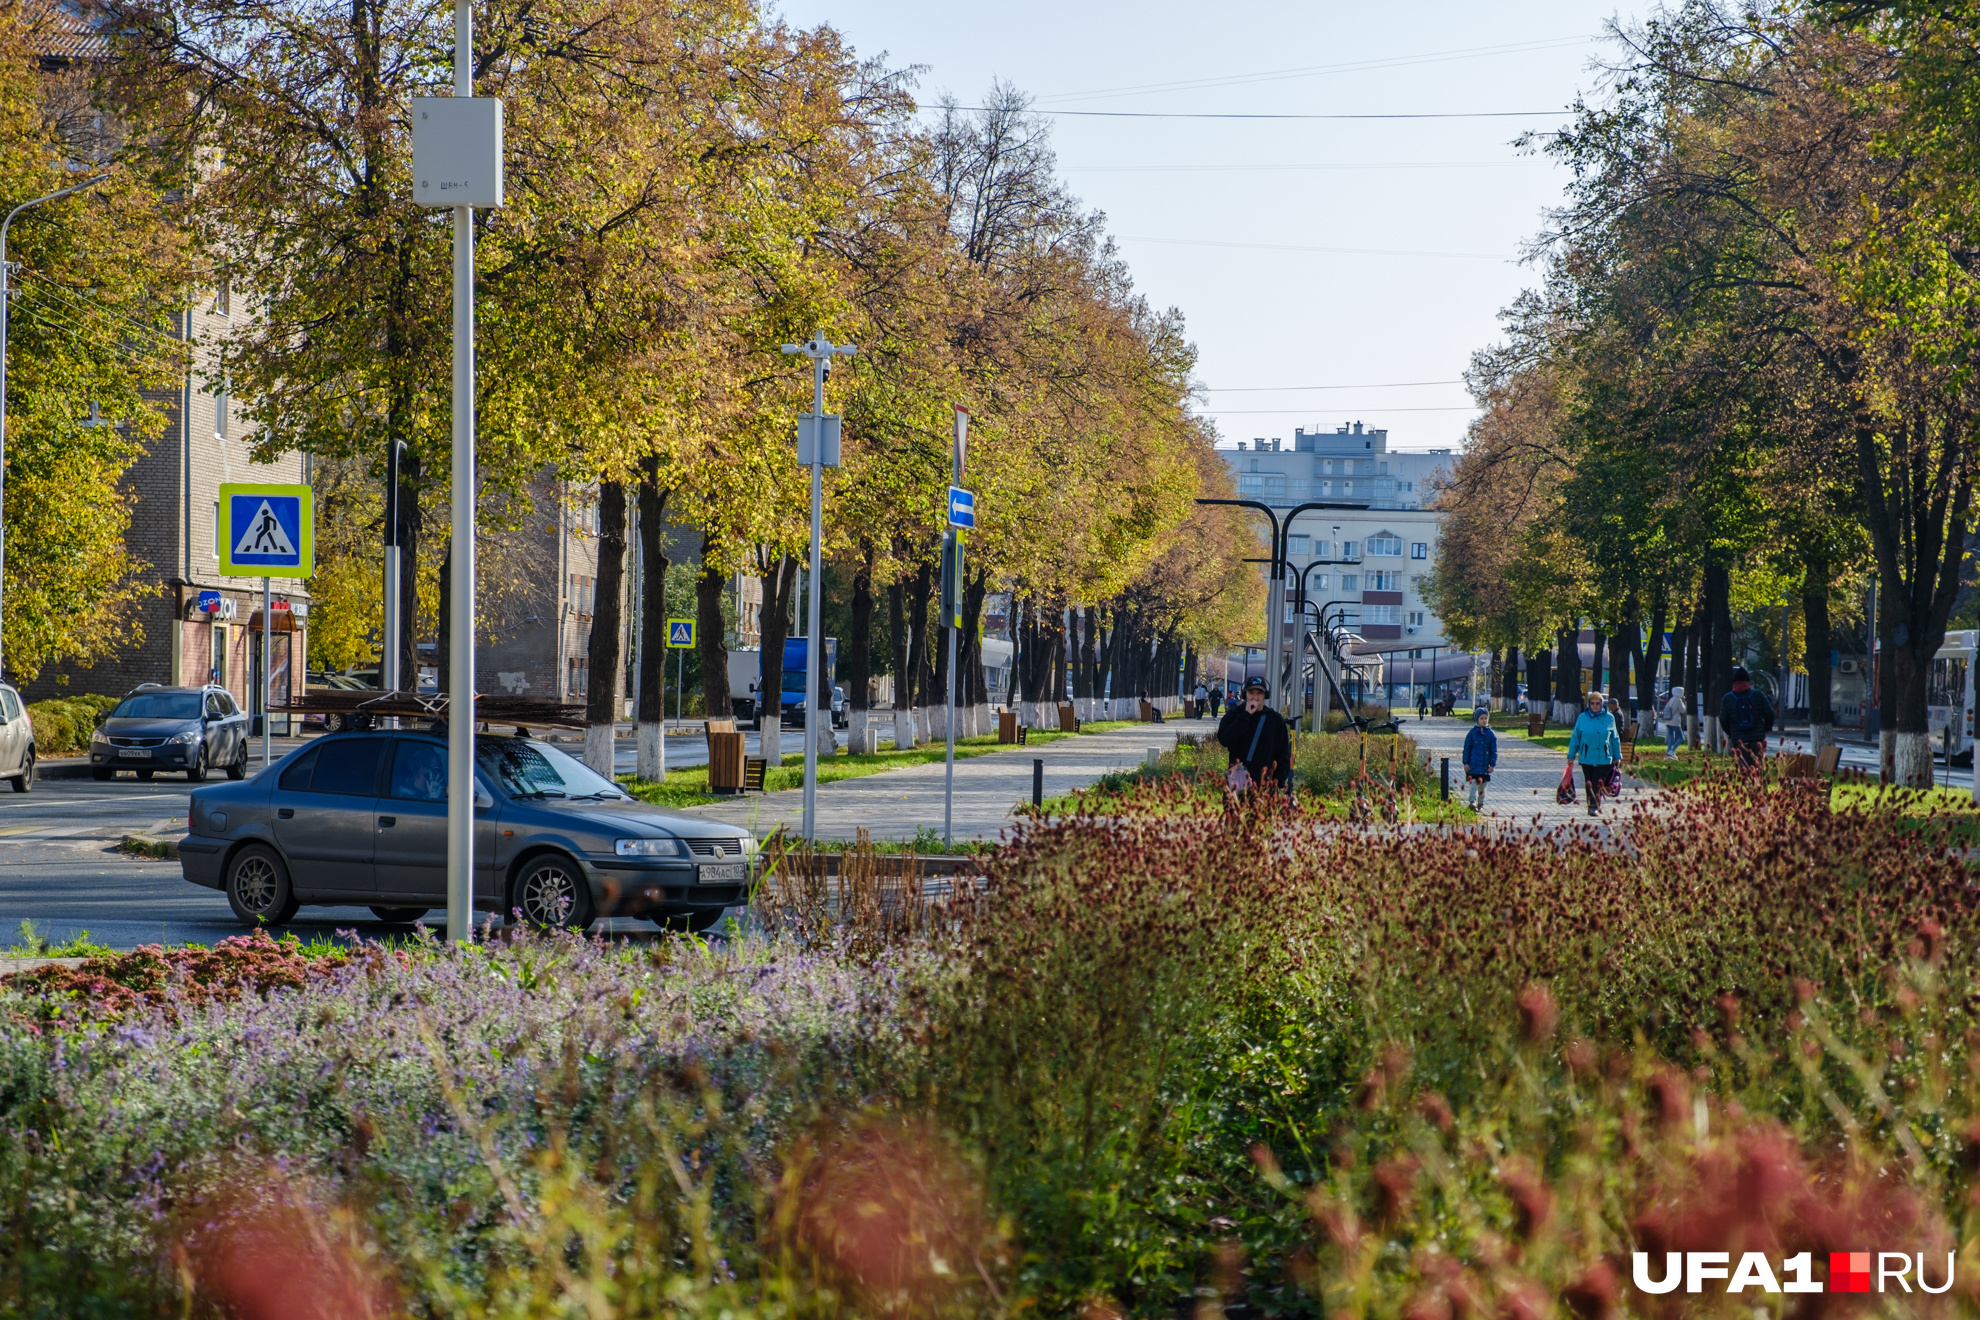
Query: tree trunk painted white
{"points": [[828, 738], [652, 743], [903, 728], [1709, 733], [1914, 760], [1820, 736], [857, 733], [771, 738], [986, 719], [598, 747]]}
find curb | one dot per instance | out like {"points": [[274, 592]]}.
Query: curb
{"points": [[150, 845], [62, 768]]}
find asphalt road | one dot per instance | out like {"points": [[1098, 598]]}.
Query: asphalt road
{"points": [[61, 869]]}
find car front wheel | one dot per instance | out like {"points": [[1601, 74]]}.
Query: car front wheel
{"points": [[196, 768], [551, 894], [237, 768], [258, 887]]}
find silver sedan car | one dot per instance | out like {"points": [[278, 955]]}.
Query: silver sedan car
{"points": [[360, 819]]}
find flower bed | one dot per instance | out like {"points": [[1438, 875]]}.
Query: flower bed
{"points": [[1159, 1061]]}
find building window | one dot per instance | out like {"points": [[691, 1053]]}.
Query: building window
{"points": [[1296, 545], [1419, 549], [220, 411], [1250, 483], [1350, 582], [1381, 614], [1275, 486], [1416, 618], [1322, 581], [216, 529], [1350, 550], [579, 677], [1385, 582], [1388, 543]]}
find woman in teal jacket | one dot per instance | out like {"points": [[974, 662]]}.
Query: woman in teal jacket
{"points": [[1597, 746]]}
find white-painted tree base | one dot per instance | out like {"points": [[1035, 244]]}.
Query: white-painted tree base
{"points": [[1820, 736], [859, 732], [598, 747], [903, 729], [652, 751], [1914, 760], [771, 738]]}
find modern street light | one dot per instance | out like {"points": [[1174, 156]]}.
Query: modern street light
{"points": [[821, 351], [6, 297]]}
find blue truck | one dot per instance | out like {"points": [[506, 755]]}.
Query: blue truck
{"points": [[791, 691]]}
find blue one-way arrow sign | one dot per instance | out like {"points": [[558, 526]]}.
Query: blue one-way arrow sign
{"points": [[962, 509]]}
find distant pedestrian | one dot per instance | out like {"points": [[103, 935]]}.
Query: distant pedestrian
{"points": [[1673, 716], [1745, 715], [1596, 747], [1481, 757], [1202, 696], [1260, 748], [1423, 704]]}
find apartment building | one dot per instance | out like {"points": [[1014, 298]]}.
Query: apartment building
{"points": [[197, 627]]}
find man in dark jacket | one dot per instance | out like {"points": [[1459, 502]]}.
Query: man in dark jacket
{"points": [[1255, 735], [1481, 758], [1745, 715]]}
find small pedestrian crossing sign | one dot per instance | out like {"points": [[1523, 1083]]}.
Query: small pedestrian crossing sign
{"points": [[266, 531], [680, 634]]}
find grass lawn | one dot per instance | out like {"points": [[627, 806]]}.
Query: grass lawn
{"points": [[689, 787]]}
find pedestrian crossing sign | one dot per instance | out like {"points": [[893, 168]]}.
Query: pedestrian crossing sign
{"points": [[266, 531], [680, 634]]}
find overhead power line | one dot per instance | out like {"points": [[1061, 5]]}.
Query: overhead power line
{"points": [[1266, 389], [1293, 247], [1178, 114], [1347, 165], [1317, 70], [1306, 412]]}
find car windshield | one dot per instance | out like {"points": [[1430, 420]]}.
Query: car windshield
{"points": [[158, 706], [534, 769]]}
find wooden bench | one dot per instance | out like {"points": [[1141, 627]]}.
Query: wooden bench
{"points": [[1829, 760]]}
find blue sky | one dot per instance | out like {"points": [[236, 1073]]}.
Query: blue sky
{"points": [[1209, 213]]}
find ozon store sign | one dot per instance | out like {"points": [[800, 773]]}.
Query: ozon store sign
{"points": [[1849, 1272]]}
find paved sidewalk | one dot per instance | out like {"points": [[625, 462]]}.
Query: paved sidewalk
{"points": [[895, 804], [1522, 788]]}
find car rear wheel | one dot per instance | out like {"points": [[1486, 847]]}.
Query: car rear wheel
{"points": [[101, 772], [552, 894], [258, 887], [398, 915], [25, 782], [237, 768], [196, 768]]}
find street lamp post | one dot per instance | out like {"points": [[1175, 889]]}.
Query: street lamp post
{"points": [[821, 351], [6, 296]]}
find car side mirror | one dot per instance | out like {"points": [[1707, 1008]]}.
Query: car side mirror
{"points": [[482, 799]]}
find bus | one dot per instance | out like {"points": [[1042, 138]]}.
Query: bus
{"points": [[1949, 695]]}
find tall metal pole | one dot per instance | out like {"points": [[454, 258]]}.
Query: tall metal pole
{"points": [[267, 662], [821, 351], [388, 661], [953, 602], [814, 647], [460, 623], [6, 296]]}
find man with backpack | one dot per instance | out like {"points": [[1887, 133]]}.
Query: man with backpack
{"points": [[1256, 739], [1745, 716]]}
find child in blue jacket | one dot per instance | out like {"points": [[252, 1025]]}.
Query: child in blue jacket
{"points": [[1481, 754]]}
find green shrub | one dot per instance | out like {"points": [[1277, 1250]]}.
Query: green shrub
{"points": [[63, 725]]}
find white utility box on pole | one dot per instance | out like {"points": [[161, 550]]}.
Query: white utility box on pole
{"points": [[457, 163]]}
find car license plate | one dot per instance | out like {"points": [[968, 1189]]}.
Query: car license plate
{"points": [[134, 751], [724, 873]]}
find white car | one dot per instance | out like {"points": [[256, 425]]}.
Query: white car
{"points": [[16, 741]]}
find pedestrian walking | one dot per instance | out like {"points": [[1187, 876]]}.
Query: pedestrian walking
{"points": [[1255, 737], [1595, 746], [1673, 716], [1481, 757], [1202, 696], [1423, 704], [1745, 715]]}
